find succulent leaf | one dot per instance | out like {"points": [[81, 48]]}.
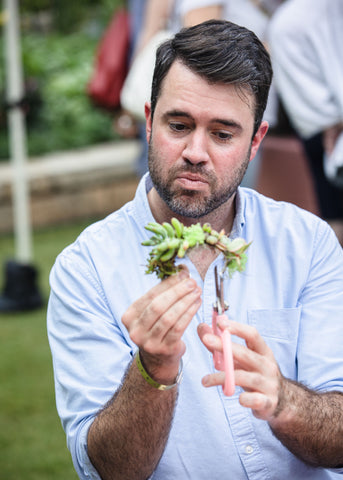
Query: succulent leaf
{"points": [[174, 240]]}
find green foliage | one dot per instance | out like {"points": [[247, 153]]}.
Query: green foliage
{"points": [[175, 240], [66, 14], [32, 441], [68, 115], [57, 68]]}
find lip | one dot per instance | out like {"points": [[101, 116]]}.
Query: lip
{"points": [[191, 180]]}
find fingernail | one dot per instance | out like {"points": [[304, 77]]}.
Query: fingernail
{"points": [[183, 274], [205, 381]]}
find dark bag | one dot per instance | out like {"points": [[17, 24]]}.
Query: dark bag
{"points": [[111, 62]]}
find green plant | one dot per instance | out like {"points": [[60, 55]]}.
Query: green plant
{"points": [[172, 240], [57, 67]]}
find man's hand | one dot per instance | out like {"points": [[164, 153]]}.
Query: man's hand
{"points": [[256, 370], [157, 321], [308, 423]]}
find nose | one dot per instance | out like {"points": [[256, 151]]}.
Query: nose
{"points": [[196, 148]]}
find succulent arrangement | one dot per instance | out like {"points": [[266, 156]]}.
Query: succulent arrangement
{"points": [[172, 240]]}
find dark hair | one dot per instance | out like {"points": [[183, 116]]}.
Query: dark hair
{"points": [[221, 52]]}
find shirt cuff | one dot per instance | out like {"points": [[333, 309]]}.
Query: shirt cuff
{"points": [[83, 465]]}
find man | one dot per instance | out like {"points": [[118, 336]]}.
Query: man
{"points": [[116, 333]]}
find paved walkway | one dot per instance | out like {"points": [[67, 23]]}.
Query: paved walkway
{"points": [[119, 156], [66, 186]]}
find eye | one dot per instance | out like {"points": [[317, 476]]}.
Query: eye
{"points": [[178, 127], [222, 136]]}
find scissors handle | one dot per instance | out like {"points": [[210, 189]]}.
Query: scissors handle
{"points": [[224, 361]]}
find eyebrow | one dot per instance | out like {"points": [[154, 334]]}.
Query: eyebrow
{"points": [[228, 123], [176, 113], [181, 113]]}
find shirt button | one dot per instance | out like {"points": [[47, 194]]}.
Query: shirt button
{"points": [[249, 449]]}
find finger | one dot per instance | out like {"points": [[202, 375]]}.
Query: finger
{"points": [[250, 361], [211, 341], [138, 307], [261, 405], [167, 343], [254, 381], [171, 325], [257, 372], [252, 338], [213, 379], [143, 321], [245, 358], [204, 328], [169, 305]]}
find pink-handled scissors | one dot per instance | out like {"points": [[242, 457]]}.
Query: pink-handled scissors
{"points": [[223, 361]]}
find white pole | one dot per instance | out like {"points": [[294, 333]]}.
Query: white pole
{"points": [[17, 133]]}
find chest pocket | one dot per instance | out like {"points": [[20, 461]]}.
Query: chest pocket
{"points": [[280, 330]]}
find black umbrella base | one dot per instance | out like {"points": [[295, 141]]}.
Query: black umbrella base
{"points": [[20, 292]]}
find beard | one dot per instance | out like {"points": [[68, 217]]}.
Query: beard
{"points": [[193, 203]]}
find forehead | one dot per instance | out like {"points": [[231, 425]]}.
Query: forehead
{"points": [[183, 88]]}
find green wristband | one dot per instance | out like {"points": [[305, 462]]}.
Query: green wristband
{"points": [[151, 381]]}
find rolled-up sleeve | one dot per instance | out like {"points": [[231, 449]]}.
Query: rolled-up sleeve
{"points": [[88, 348], [320, 353]]}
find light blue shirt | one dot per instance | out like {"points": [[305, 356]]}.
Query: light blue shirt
{"points": [[291, 291]]}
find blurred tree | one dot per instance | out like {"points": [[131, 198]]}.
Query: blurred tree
{"points": [[67, 15]]}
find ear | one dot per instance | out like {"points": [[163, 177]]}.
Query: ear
{"points": [[148, 125], [258, 137]]}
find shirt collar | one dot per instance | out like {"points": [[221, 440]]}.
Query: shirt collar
{"points": [[239, 220], [141, 207]]}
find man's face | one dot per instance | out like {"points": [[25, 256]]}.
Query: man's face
{"points": [[200, 142]]}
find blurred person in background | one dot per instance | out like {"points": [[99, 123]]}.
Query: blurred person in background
{"points": [[124, 123], [148, 17], [306, 38]]}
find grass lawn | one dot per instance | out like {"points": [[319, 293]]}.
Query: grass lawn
{"points": [[32, 442]]}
